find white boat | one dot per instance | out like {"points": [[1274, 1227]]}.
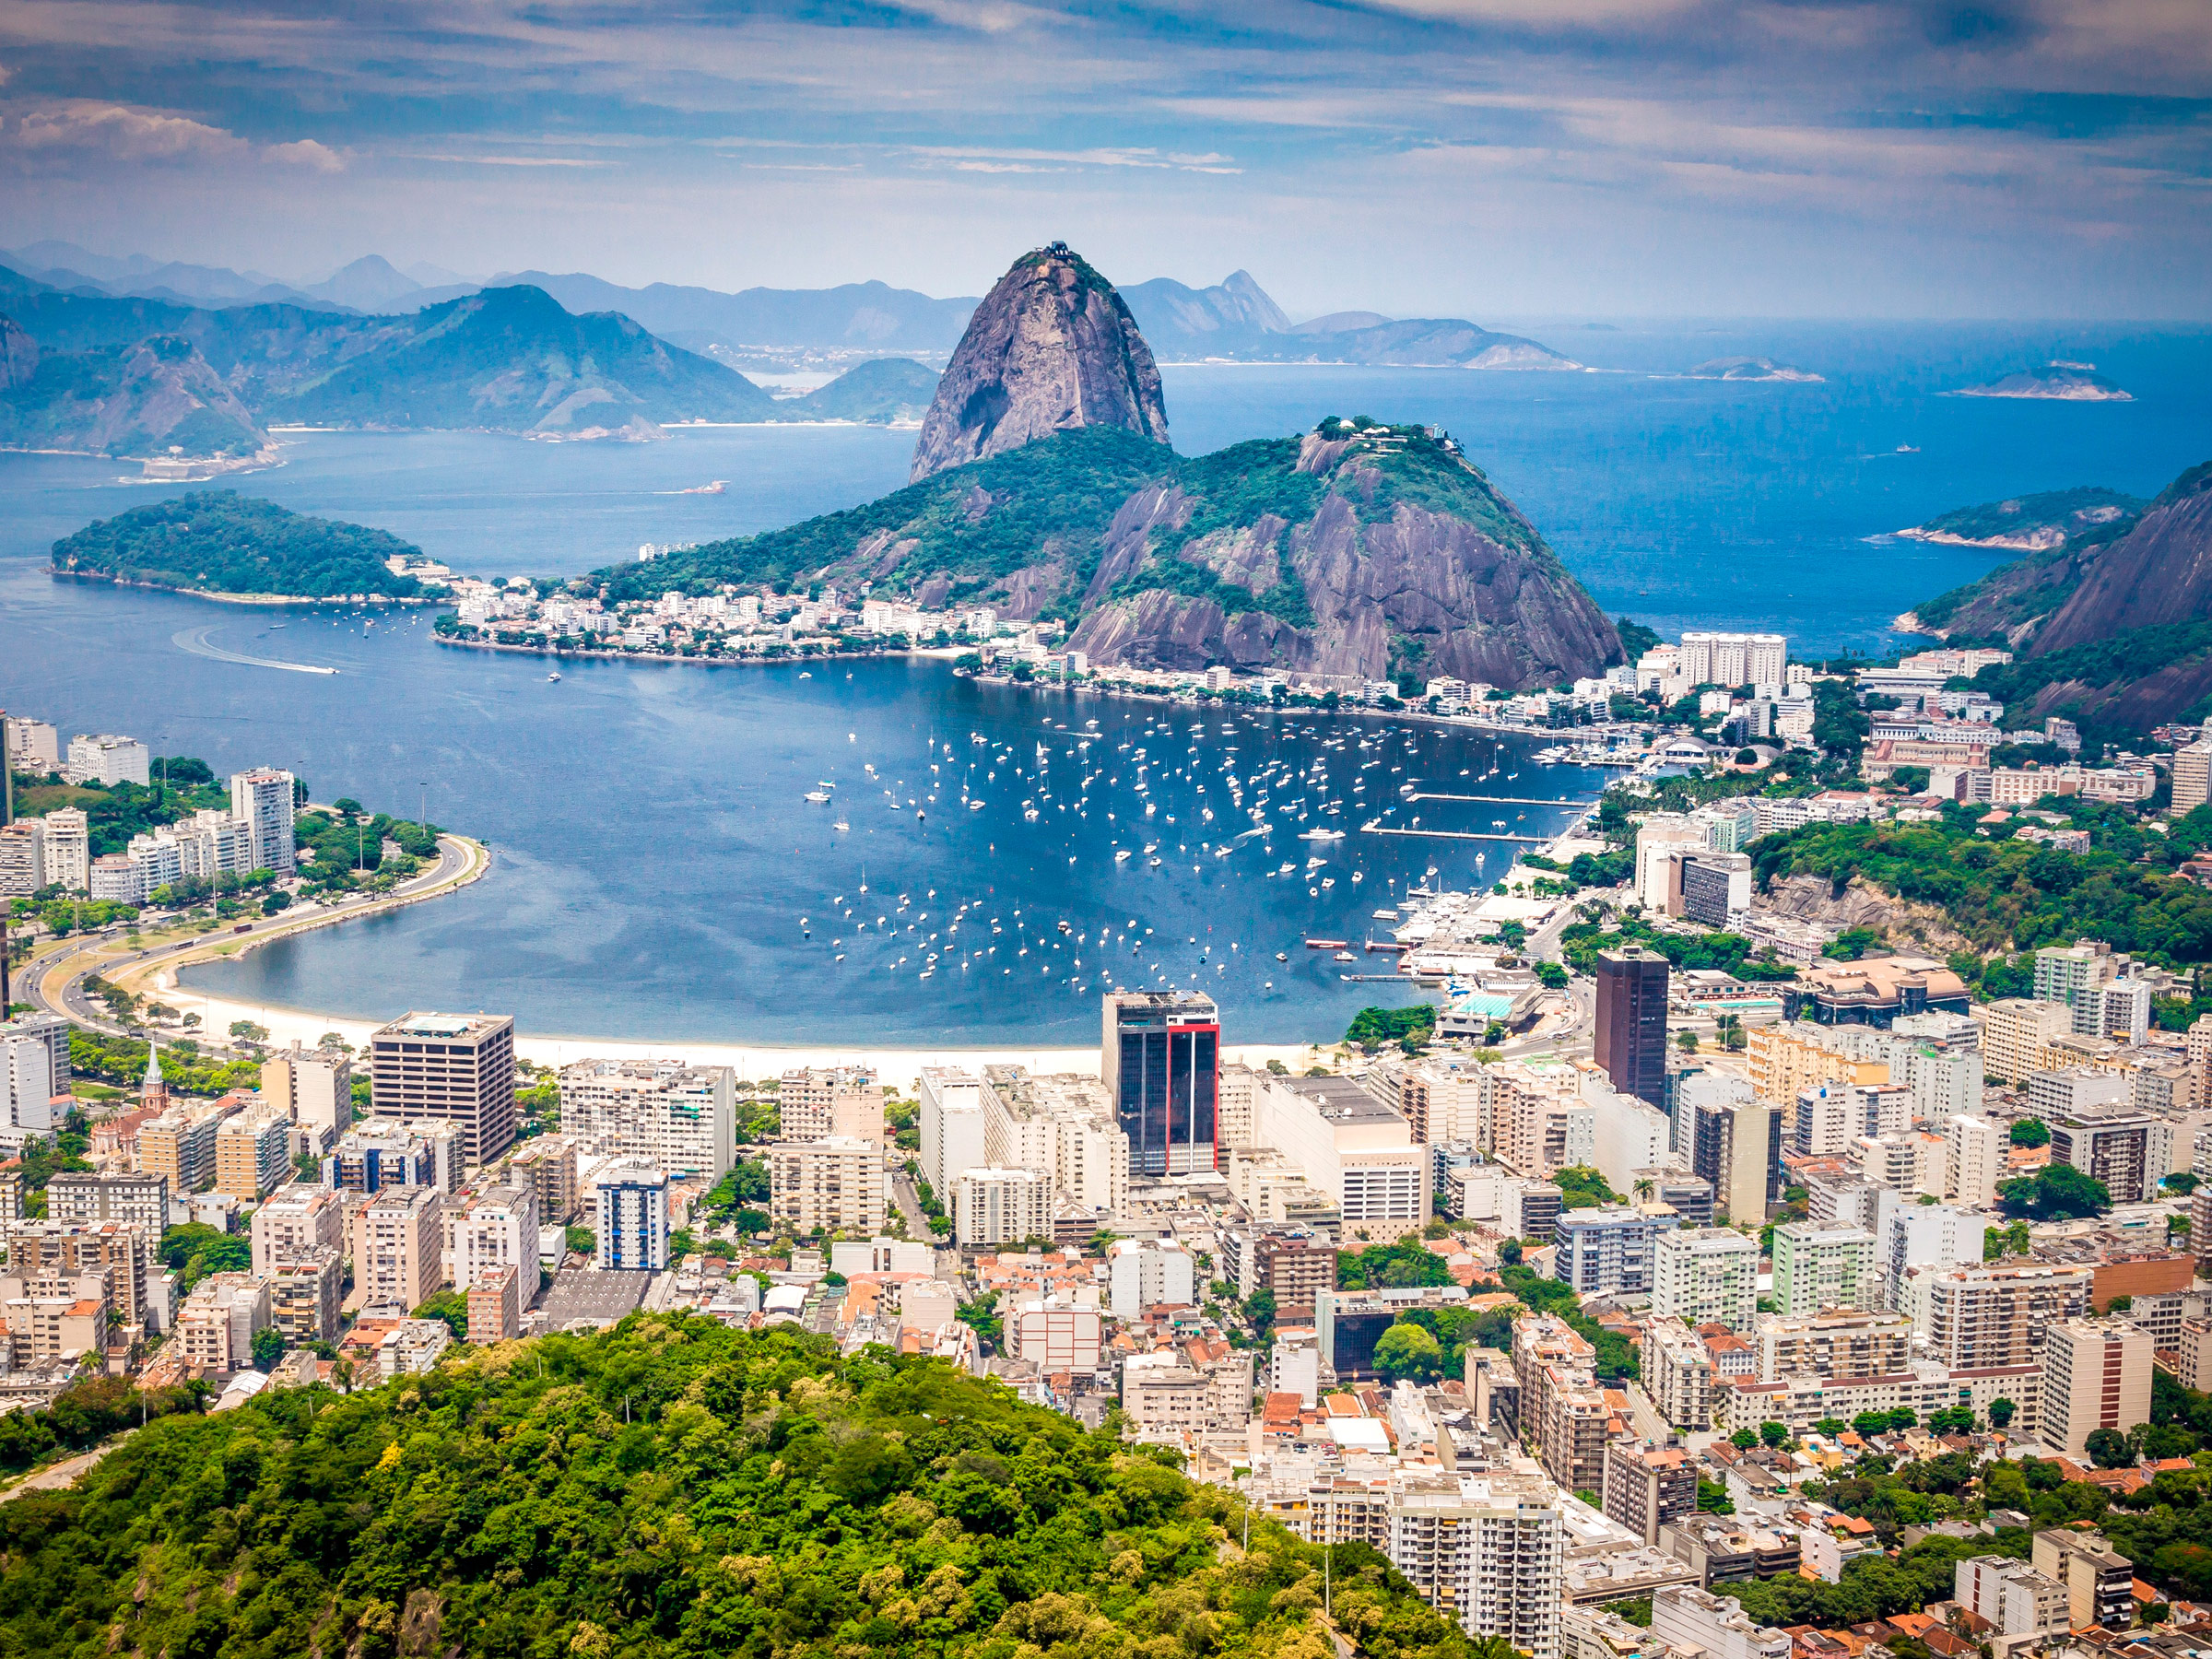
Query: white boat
{"points": [[975, 805], [553, 679], [1320, 835], [841, 824], [819, 797]]}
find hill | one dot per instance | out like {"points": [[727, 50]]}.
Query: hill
{"points": [[675, 1488], [1235, 321], [513, 360], [1752, 368], [883, 390], [151, 397], [2064, 383], [854, 316], [2062, 531], [218, 541], [2034, 524]]}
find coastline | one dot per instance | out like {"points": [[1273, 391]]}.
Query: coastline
{"points": [[218, 597]]}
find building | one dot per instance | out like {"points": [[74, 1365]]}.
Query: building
{"points": [[1051, 1333], [1734, 659], [127, 1253], [2191, 777], [2012, 1595], [1294, 1267], [1646, 1487], [1678, 1374], [1160, 1057], [2096, 1376], [375, 1154], [1144, 1274], [2016, 1032], [632, 1234], [1001, 1207], [252, 1152], [1707, 1276], [1875, 991], [304, 1296], [1833, 1344], [399, 1248], [1607, 1250], [833, 1184], [2100, 1583], [949, 1118], [817, 1101], [1065, 1129], [1486, 1549], [1631, 1021], [495, 1306], [494, 1229], [296, 1221], [108, 1196], [2130, 1151], [68, 849], [1690, 1619], [107, 759], [1982, 1317], [1355, 1151], [680, 1117], [1731, 1138], [31, 746], [179, 1146], [218, 1321], [1974, 1157], [315, 1086], [1821, 1266], [448, 1068], [262, 801]]}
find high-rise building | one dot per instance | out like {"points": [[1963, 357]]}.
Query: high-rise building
{"points": [[107, 759], [1975, 1158], [631, 1235], [1982, 1317], [2014, 1032], [2130, 1151], [109, 1196], [1143, 1273], [262, 801], [296, 1220], [1711, 658], [315, 1086], [2191, 776], [1160, 1057], [449, 1068], [2099, 1582], [399, 1248], [1840, 1343], [1731, 1138], [835, 1183], [2012, 1597], [1910, 1235], [1706, 1275], [69, 848], [375, 1155], [681, 1117], [949, 1118], [1631, 1021], [1647, 1486], [1000, 1206], [548, 1163], [815, 1102], [252, 1152], [1690, 1618], [1818, 1266], [496, 1230], [1608, 1250], [2096, 1376]]}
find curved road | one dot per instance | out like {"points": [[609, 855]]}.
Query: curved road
{"points": [[55, 983]]}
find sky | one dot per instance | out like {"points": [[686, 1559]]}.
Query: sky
{"points": [[1487, 158]]}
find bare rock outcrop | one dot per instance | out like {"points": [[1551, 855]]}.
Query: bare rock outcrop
{"points": [[1051, 348]]}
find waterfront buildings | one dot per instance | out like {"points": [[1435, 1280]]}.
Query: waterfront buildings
{"points": [[1159, 1058], [1631, 1021], [262, 801], [816, 1101], [1355, 1151], [680, 1117], [107, 759], [949, 1119], [449, 1069]]}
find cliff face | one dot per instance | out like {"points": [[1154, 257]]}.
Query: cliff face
{"points": [[18, 356], [2160, 572], [1051, 348]]}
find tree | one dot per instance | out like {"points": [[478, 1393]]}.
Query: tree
{"points": [[1259, 1308], [1686, 1041], [1831, 1427], [452, 1306], [2055, 1193], [1744, 1438], [268, 1348], [1408, 1352], [1713, 1500], [1509, 1253], [2108, 1447], [2000, 1413], [246, 1030], [1775, 1435], [582, 1241], [2031, 1132]]}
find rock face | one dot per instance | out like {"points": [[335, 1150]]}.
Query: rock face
{"points": [[2161, 571], [18, 356], [1051, 348]]}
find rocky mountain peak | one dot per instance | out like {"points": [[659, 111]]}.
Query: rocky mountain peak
{"points": [[1051, 348], [18, 355]]}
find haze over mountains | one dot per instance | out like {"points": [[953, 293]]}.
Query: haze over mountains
{"points": [[1235, 320]]}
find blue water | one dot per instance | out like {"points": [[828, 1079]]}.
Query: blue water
{"points": [[654, 856]]}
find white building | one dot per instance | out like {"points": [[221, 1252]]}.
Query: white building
{"points": [[632, 1232], [1144, 1274], [497, 1229], [1912, 1235], [1351, 1147], [1708, 658], [681, 1117], [2012, 1595], [949, 1116], [1629, 1137], [1974, 1156], [315, 1089], [1706, 1275], [262, 801], [68, 837], [2096, 1376], [33, 746], [1000, 1206], [27, 1089], [107, 759], [1697, 1620], [836, 1183]]}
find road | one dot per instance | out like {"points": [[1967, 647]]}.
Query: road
{"points": [[910, 1205], [64, 1473], [55, 982]]}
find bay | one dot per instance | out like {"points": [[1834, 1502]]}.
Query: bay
{"points": [[653, 854]]}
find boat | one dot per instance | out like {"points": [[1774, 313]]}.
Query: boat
{"points": [[1282, 955], [1344, 956], [841, 824], [1387, 916], [975, 805], [1153, 862], [1324, 943], [1119, 853], [1320, 835], [818, 797], [805, 674]]}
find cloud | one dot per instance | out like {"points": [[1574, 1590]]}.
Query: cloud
{"points": [[306, 152], [83, 129]]}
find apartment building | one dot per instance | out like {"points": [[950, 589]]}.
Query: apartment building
{"points": [[1688, 1619], [1915, 1235], [1646, 1486], [1975, 1158], [680, 1117], [495, 1306], [1064, 1128], [1486, 1549], [1980, 1317], [297, 1220], [218, 1321], [817, 1103], [1819, 1266], [495, 1230], [1608, 1251], [456, 1069], [2014, 1032], [1196, 1388], [1353, 1149], [263, 800], [1295, 1267], [1707, 1276], [1000, 1206], [2130, 1151], [376, 1154], [397, 1241], [315, 1086], [127, 1253], [630, 1227], [1678, 1374], [2012, 1597], [1787, 1060], [252, 1152], [1731, 1138], [305, 1291], [836, 1183], [1148, 1273], [1833, 1344], [2099, 1582], [2096, 1376], [179, 1146], [140, 1199], [548, 1164], [949, 1118]]}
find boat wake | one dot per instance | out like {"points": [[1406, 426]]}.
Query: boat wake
{"points": [[194, 640]]}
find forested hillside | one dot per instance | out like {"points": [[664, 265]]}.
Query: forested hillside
{"points": [[673, 1488]]}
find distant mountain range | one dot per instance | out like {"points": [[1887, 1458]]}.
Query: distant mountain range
{"points": [[1234, 320]]}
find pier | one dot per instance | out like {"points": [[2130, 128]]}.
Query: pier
{"points": [[1496, 800], [1525, 841]]}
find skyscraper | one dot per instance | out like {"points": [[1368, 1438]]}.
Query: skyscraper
{"points": [[1160, 1057], [262, 800], [453, 1068], [1631, 1021]]}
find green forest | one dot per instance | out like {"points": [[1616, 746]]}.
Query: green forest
{"points": [[672, 1487], [221, 541]]}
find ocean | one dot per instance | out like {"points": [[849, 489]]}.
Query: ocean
{"points": [[658, 874]]}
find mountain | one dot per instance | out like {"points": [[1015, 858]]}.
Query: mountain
{"points": [[1235, 315], [218, 541], [513, 360], [2062, 531], [1236, 321], [369, 284], [2067, 383], [2035, 523], [882, 391], [154, 396], [1051, 348], [2160, 572], [855, 316], [1751, 369]]}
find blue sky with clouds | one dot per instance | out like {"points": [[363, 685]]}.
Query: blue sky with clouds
{"points": [[1485, 157]]}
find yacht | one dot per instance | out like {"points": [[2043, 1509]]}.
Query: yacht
{"points": [[819, 797], [1320, 835]]}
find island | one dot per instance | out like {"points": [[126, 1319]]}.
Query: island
{"points": [[2059, 382], [220, 544], [2033, 524], [1753, 369]]}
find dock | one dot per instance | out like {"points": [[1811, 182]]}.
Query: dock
{"points": [[1525, 841], [1496, 800]]}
